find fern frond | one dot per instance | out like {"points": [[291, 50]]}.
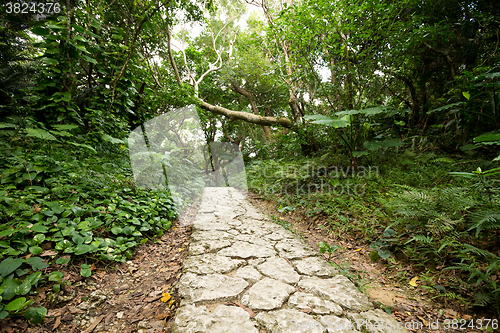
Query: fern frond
{"points": [[442, 225], [481, 299], [450, 294], [422, 239], [488, 219], [480, 252]]}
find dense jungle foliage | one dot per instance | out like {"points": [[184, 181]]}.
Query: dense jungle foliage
{"points": [[380, 118]]}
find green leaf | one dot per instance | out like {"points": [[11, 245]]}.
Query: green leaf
{"points": [[38, 189], [108, 138], [62, 261], [487, 137], [86, 272], [35, 250], [82, 249], [16, 304], [466, 94], [82, 39], [56, 27], [65, 127], [66, 96], [56, 276], [328, 121], [7, 125], [39, 238], [3, 314], [463, 174], [374, 255], [39, 228], [36, 263], [41, 31], [7, 232], [23, 288], [9, 265], [50, 61], [384, 254], [39, 133], [79, 47], [89, 59], [116, 230], [390, 144], [359, 153], [77, 211], [492, 75], [9, 288], [389, 232], [323, 247], [33, 278], [445, 107], [35, 315], [82, 145]]}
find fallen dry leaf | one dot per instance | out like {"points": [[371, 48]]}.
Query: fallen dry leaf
{"points": [[57, 323], [413, 282], [425, 322], [165, 298], [48, 253]]}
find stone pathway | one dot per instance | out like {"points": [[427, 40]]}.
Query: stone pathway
{"points": [[246, 274]]}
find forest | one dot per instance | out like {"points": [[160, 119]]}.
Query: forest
{"points": [[376, 122]]}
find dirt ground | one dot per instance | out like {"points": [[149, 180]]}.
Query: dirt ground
{"points": [[140, 296]]}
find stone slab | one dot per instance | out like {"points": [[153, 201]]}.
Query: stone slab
{"points": [[294, 249], [211, 263], [202, 235], [248, 273], [246, 250], [210, 226], [197, 319], [287, 321], [309, 302], [267, 294], [279, 269], [252, 230], [315, 266], [338, 290], [197, 248], [257, 240], [378, 321], [209, 288], [334, 324]]}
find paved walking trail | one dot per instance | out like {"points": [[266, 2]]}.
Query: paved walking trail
{"points": [[246, 274]]}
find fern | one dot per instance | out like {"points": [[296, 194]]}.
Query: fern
{"points": [[450, 294], [429, 205], [481, 299], [488, 219], [442, 225], [421, 239], [483, 253]]}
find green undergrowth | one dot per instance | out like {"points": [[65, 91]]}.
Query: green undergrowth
{"points": [[439, 214], [61, 202]]}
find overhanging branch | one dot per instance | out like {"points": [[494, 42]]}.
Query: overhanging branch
{"points": [[245, 116]]}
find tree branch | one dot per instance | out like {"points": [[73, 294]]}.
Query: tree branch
{"points": [[245, 116]]}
